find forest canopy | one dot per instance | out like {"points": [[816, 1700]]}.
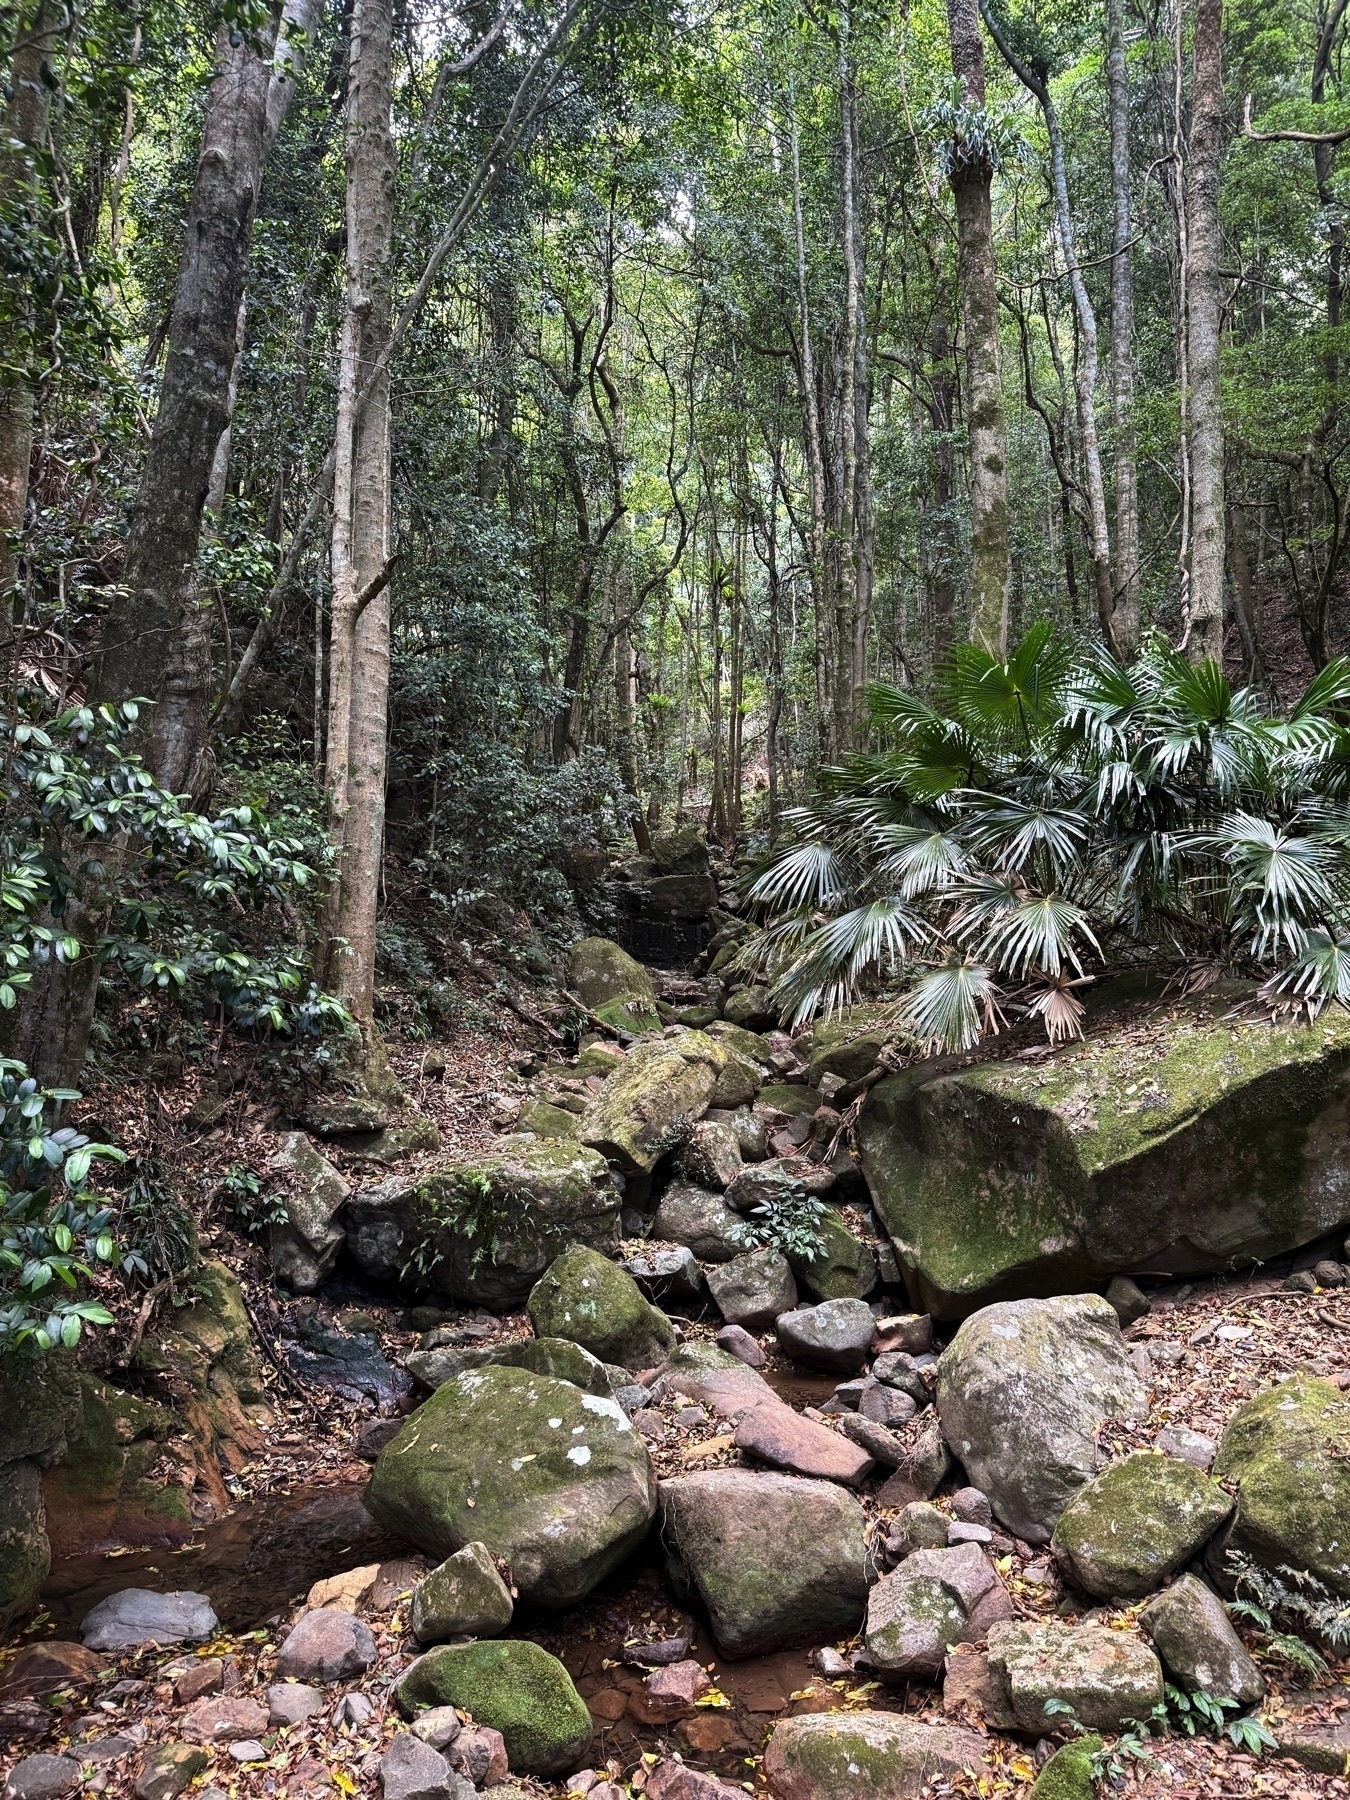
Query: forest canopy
{"points": [[447, 442]]}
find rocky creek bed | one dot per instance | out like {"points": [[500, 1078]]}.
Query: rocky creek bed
{"points": [[659, 1483]]}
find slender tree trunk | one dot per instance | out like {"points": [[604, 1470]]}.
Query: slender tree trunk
{"points": [[22, 130], [1126, 611], [815, 449], [971, 179], [1203, 336], [942, 540], [846, 591], [143, 622], [359, 657], [865, 524], [1244, 592]]}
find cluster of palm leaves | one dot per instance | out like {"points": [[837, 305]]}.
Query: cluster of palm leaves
{"points": [[1057, 817]]}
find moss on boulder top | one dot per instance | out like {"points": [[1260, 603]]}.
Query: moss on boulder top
{"points": [[648, 1104], [590, 1301], [1191, 1140], [849, 1042], [514, 1687], [1137, 1523], [613, 985], [486, 1230], [866, 1756], [555, 1482], [843, 1268], [1288, 1452]]}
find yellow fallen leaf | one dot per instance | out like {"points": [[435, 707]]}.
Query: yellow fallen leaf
{"points": [[713, 1697], [1022, 1768], [343, 1780]]}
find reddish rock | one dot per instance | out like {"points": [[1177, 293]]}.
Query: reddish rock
{"points": [[327, 1645], [203, 1676], [608, 1790], [671, 1780], [168, 1768], [966, 1685], [479, 1754], [708, 1733], [670, 1693], [225, 1719], [42, 1668], [777, 1435], [609, 1705], [737, 1342]]}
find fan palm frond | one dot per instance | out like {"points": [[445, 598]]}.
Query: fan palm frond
{"points": [[836, 955], [1318, 975], [1011, 833], [920, 860], [1011, 929], [807, 874], [950, 1008]]}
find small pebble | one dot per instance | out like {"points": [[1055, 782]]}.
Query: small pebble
{"points": [[248, 1750], [960, 1533], [1302, 1281]]}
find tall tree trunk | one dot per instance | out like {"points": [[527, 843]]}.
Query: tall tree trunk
{"points": [[359, 655], [1126, 611], [1085, 386], [22, 129], [942, 546], [846, 592], [1203, 322], [815, 450], [971, 179], [141, 630]]}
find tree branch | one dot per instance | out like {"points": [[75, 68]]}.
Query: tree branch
{"points": [[1289, 137]]}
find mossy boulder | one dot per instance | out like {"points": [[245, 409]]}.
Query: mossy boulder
{"points": [[701, 1219], [752, 1008], [1192, 1141], [590, 1301], [646, 1107], [849, 1043], [788, 1097], [486, 1230], [513, 1686], [42, 1409], [1194, 1636], [776, 1560], [738, 1083], [749, 1044], [1137, 1523], [564, 1361], [612, 985], [208, 1347], [934, 1599], [682, 850], [867, 1756], [555, 1482], [1023, 1390], [1069, 1774], [843, 1268], [1288, 1454], [464, 1597], [546, 1120]]}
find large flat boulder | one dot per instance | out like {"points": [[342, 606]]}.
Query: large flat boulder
{"points": [[1106, 1678], [1288, 1454], [485, 1230], [777, 1561], [1192, 1142], [866, 1756], [1022, 1391], [555, 1482], [648, 1105]]}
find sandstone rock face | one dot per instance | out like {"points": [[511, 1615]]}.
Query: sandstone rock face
{"points": [[590, 1301], [714, 1378], [1022, 1390], [464, 1597], [305, 1248], [1200, 1649], [776, 1560], [1288, 1451], [647, 1106], [495, 1224], [935, 1598], [42, 1407], [613, 985], [1138, 1522], [555, 1482], [1207, 1146], [866, 1756], [1107, 1677], [515, 1687], [754, 1289]]}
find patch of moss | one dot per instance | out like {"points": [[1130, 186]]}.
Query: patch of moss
{"points": [[842, 1269], [1138, 1522], [588, 1300], [1068, 1775], [515, 1687]]}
